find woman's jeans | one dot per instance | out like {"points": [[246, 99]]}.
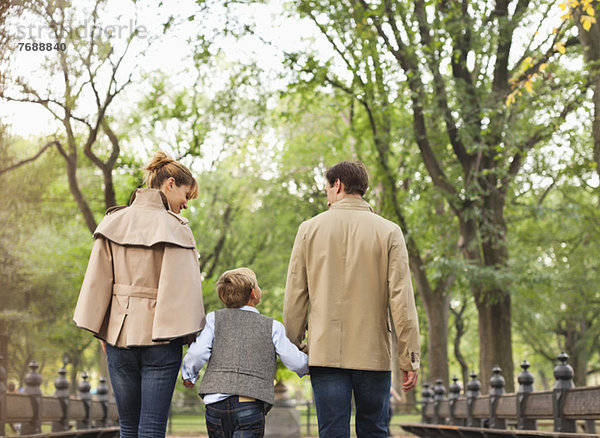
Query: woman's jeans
{"points": [[231, 418], [143, 379], [333, 389]]}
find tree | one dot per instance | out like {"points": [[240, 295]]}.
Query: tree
{"points": [[451, 64], [583, 13], [555, 235], [40, 269], [90, 69]]}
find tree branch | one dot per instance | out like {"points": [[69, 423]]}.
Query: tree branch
{"points": [[29, 160]]}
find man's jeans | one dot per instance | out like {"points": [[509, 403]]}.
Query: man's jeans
{"points": [[143, 379], [333, 388], [231, 418]]}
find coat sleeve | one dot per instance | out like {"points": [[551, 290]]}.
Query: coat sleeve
{"points": [[179, 306], [402, 305], [96, 291], [295, 303]]}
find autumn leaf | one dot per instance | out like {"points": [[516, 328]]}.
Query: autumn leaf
{"points": [[587, 21], [560, 47]]}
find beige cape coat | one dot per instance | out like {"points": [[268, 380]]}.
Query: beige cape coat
{"points": [[143, 284], [348, 273]]}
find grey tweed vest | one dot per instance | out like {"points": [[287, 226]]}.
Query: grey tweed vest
{"points": [[243, 360]]}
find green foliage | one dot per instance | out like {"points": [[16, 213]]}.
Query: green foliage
{"points": [[45, 253], [260, 153]]}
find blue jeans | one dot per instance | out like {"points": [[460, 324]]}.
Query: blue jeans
{"points": [[231, 418], [143, 379], [333, 388]]}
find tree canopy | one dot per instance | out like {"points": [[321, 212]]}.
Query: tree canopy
{"points": [[475, 119]]}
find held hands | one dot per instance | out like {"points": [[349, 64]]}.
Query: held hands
{"points": [[188, 383], [410, 380]]}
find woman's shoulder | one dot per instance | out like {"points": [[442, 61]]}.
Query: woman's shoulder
{"points": [[145, 227]]}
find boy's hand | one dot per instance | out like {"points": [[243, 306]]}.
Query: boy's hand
{"points": [[188, 383], [189, 339]]}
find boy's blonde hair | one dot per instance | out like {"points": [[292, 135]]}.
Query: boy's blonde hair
{"points": [[234, 287]]}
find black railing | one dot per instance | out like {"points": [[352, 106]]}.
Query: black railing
{"points": [[24, 413], [501, 414]]}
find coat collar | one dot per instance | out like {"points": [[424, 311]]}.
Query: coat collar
{"points": [[149, 198], [351, 204]]}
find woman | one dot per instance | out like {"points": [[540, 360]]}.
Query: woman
{"points": [[142, 296]]}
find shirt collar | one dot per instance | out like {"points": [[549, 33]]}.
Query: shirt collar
{"points": [[351, 204], [250, 309]]}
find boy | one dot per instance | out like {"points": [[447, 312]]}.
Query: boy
{"points": [[237, 387]]}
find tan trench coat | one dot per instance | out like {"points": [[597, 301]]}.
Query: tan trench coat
{"points": [[143, 284], [348, 272]]}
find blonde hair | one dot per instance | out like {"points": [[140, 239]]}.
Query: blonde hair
{"points": [[163, 167], [234, 287]]}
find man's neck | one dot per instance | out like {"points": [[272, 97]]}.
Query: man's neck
{"points": [[344, 195]]}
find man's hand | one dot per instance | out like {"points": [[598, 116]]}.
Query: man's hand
{"points": [[103, 343], [410, 380], [188, 383]]}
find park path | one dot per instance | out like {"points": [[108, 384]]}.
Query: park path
{"points": [[206, 436]]}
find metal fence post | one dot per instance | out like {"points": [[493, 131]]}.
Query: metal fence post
{"points": [[33, 381], [83, 392], [473, 390], [454, 394], [61, 385], [426, 398], [438, 397], [102, 396], [3, 397], [525, 379], [563, 372], [497, 384]]}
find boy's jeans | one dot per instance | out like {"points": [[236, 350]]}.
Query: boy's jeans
{"points": [[231, 418], [143, 379]]}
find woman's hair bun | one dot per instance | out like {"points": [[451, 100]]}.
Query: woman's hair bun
{"points": [[163, 167], [158, 161]]}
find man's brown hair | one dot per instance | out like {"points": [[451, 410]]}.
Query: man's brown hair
{"points": [[234, 287], [353, 174]]}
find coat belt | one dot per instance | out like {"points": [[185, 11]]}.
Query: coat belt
{"points": [[135, 291]]}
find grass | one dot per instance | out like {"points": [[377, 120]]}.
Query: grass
{"points": [[186, 424], [192, 424]]}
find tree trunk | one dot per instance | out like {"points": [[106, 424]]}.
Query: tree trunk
{"points": [[590, 41], [575, 347], [436, 308], [495, 346], [83, 206], [110, 199], [459, 325]]}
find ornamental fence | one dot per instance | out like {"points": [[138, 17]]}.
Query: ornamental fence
{"points": [[571, 411], [62, 415]]}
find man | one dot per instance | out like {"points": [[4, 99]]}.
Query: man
{"points": [[348, 279]]}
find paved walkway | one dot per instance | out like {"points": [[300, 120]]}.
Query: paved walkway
{"points": [[206, 436]]}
